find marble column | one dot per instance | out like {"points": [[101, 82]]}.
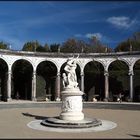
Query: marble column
{"points": [[9, 74], [58, 87], [131, 84], [34, 86], [106, 74], [82, 82]]}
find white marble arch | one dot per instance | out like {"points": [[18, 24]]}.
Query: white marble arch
{"points": [[39, 61], [21, 59]]}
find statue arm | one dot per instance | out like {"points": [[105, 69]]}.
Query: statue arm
{"points": [[67, 69]]}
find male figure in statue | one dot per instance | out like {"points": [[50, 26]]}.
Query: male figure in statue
{"points": [[69, 77]]}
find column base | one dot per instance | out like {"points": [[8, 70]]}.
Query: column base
{"points": [[130, 100], [58, 99], [34, 99], [105, 99], [72, 116], [9, 99]]}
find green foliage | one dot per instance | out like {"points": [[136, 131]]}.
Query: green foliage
{"points": [[101, 49], [80, 46], [34, 46], [55, 47], [41, 49], [128, 46], [95, 46], [69, 46], [46, 48], [73, 46], [135, 45], [3, 45], [122, 47], [131, 44], [30, 46]]}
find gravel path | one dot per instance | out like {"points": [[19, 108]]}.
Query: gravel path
{"points": [[13, 123]]}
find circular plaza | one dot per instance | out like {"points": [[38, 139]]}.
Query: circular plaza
{"points": [[15, 118]]}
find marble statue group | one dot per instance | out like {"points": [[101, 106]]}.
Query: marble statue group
{"points": [[70, 77]]}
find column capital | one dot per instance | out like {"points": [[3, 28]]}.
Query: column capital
{"points": [[82, 73], [9, 72], [106, 73], [58, 73], [34, 72], [131, 73]]}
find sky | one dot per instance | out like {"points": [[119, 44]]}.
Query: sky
{"points": [[56, 21]]}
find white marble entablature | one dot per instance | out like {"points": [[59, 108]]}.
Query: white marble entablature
{"points": [[10, 57]]}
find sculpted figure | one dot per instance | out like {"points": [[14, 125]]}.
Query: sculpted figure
{"points": [[65, 80], [69, 77]]}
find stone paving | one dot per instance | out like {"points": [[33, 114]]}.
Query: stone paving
{"points": [[13, 121]]}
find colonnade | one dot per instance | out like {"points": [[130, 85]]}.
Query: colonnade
{"points": [[106, 74], [106, 82], [131, 74], [59, 61]]}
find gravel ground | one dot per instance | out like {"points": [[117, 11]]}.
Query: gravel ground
{"points": [[13, 123]]}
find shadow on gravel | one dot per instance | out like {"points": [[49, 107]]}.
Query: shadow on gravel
{"points": [[34, 116], [138, 136]]}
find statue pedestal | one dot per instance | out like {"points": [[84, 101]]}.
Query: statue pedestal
{"points": [[72, 105], [71, 116]]}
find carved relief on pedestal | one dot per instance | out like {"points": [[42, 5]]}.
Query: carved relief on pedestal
{"points": [[72, 104]]}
